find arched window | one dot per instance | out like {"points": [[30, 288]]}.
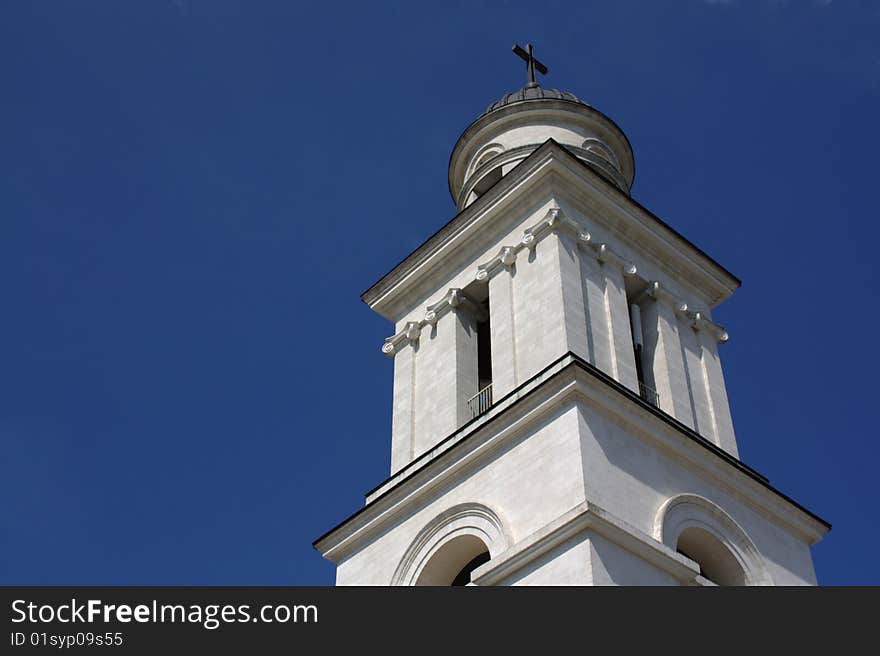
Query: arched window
{"points": [[453, 563], [487, 182], [716, 561], [464, 576], [451, 546], [702, 531], [598, 148], [483, 155]]}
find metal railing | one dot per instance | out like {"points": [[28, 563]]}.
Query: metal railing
{"points": [[481, 401], [649, 394]]}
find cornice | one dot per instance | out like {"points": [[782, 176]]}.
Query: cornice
{"points": [[454, 300], [697, 320], [702, 272], [564, 380], [434, 467], [586, 516], [555, 220]]}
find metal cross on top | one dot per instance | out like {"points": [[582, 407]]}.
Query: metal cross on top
{"points": [[531, 64]]}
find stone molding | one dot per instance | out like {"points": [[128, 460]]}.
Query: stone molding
{"points": [[584, 517], [692, 510], [463, 519], [555, 221], [507, 557], [479, 160], [552, 169], [454, 300], [696, 320], [566, 380]]}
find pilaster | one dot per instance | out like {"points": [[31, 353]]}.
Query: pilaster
{"points": [[445, 371], [598, 320], [402, 413], [708, 337], [572, 301], [664, 367], [624, 362], [691, 349]]}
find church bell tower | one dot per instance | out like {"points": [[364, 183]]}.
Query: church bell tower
{"points": [[559, 408]]}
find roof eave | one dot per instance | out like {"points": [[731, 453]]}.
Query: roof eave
{"points": [[376, 292]]}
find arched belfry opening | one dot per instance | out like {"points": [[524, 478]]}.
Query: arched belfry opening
{"points": [[699, 529], [451, 546], [486, 182], [453, 563], [717, 563], [480, 399], [464, 576]]}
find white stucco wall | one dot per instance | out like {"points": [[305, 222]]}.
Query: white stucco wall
{"points": [[581, 451], [529, 483], [629, 476]]}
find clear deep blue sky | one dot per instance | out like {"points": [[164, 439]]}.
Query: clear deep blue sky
{"points": [[194, 193]]}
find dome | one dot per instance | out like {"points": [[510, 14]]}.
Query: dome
{"points": [[529, 92], [515, 125]]}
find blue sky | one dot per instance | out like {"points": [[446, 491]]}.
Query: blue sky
{"points": [[194, 193]]}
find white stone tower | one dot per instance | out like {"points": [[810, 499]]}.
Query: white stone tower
{"points": [[560, 414]]}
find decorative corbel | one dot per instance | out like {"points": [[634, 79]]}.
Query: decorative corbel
{"points": [[438, 309], [508, 256], [659, 293], [605, 254], [455, 299], [413, 331], [532, 235], [458, 300], [717, 331], [554, 218], [652, 291], [409, 334], [505, 258], [558, 220]]}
